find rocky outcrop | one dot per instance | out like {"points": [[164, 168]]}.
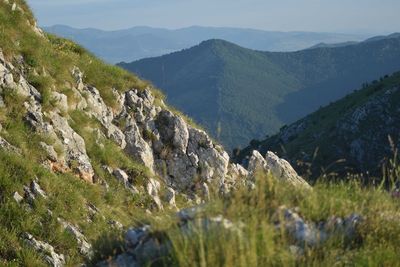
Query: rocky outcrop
{"points": [[277, 167]]}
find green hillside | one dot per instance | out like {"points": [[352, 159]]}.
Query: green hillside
{"points": [[357, 134], [240, 94]]}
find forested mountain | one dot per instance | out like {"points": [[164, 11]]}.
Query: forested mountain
{"points": [[240, 94]]}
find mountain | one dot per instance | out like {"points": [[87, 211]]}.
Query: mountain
{"points": [[372, 39], [142, 42], [240, 94], [356, 134]]}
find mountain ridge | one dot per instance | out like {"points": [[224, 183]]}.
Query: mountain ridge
{"points": [[142, 41]]}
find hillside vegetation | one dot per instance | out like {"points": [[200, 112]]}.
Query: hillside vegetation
{"points": [[357, 134], [240, 94]]}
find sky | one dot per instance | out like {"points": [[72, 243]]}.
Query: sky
{"points": [[347, 16]]}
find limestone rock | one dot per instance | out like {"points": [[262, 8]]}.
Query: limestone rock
{"points": [[282, 170], [137, 147], [85, 248], [173, 130], [46, 250], [50, 152], [7, 146], [121, 176], [310, 234], [170, 197], [153, 187], [37, 190], [74, 146], [17, 197], [60, 101], [257, 163]]}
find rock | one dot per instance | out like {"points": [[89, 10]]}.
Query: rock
{"points": [[37, 190], [135, 236], [137, 147], [103, 114], [124, 179], [121, 176], [60, 101], [173, 130], [78, 75], [7, 146], [257, 164], [303, 234], [282, 170], [29, 196], [311, 234], [205, 191], [116, 224], [17, 197], [46, 250], [170, 197], [74, 146], [24, 89], [122, 260], [153, 187], [108, 169], [2, 104], [50, 152], [85, 248], [279, 168]]}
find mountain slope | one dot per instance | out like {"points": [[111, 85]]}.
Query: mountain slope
{"points": [[355, 129], [247, 93], [141, 42], [87, 148]]}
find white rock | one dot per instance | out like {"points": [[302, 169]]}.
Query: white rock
{"points": [[46, 250]]}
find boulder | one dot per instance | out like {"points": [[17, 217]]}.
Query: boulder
{"points": [[137, 147], [173, 130]]}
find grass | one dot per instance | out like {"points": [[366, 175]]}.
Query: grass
{"points": [[261, 244]]}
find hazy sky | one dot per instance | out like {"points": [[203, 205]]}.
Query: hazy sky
{"points": [[367, 16]]}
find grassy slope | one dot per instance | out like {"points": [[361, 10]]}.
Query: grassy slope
{"points": [[332, 143], [68, 196], [255, 93]]}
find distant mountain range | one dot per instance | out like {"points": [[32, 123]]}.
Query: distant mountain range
{"points": [[240, 94], [141, 42], [350, 135]]}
